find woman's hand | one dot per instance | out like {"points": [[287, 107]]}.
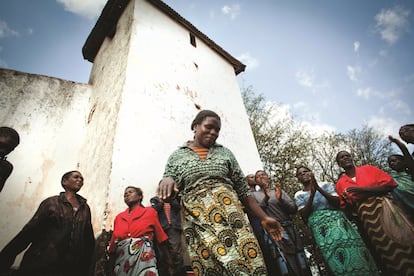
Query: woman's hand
{"points": [[370, 191], [273, 227], [355, 189], [314, 184], [266, 192], [167, 189], [278, 191]]}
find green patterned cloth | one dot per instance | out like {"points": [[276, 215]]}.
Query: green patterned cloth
{"points": [[219, 238], [341, 245], [404, 194]]}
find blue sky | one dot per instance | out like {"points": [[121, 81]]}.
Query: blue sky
{"points": [[336, 65]]}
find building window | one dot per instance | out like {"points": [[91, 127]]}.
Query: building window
{"points": [[193, 40]]}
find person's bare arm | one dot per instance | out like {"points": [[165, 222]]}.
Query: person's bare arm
{"points": [[407, 156], [271, 225]]}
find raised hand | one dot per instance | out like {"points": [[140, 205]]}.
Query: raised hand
{"points": [[278, 191]]}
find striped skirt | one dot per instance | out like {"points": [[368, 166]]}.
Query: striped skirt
{"points": [[396, 258]]}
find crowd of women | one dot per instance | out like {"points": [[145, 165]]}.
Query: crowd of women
{"points": [[220, 239]]}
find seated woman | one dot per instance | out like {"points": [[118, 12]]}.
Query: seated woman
{"points": [[340, 243], [131, 247]]}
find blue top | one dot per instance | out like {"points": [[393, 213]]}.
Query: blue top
{"points": [[319, 201]]}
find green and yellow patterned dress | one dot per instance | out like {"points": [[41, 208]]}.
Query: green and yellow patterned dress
{"points": [[219, 238]]}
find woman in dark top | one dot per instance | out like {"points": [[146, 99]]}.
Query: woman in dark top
{"points": [[60, 235]]}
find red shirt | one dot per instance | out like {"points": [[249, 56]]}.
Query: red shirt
{"points": [[365, 176], [141, 221]]}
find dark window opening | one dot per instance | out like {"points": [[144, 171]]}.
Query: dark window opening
{"points": [[193, 40]]}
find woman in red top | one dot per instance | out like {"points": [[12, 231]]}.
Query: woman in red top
{"points": [[363, 190], [131, 247]]}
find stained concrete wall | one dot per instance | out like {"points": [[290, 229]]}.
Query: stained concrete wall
{"points": [[50, 115], [146, 85], [165, 79]]}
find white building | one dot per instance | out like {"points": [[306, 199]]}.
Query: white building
{"points": [[152, 72]]}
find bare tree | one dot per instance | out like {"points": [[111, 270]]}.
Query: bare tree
{"points": [[367, 146], [281, 143]]}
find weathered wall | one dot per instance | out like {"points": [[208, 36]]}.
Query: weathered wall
{"points": [[119, 129], [50, 116], [107, 79], [166, 77]]}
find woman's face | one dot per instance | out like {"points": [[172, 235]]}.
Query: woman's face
{"points": [[74, 182], [207, 132], [262, 179], [344, 159], [304, 175], [396, 163], [131, 196]]}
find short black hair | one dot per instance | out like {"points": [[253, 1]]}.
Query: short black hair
{"points": [[404, 132], [399, 156], [11, 133], [202, 115], [301, 167], [138, 190], [255, 175], [336, 158], [66, 176]]}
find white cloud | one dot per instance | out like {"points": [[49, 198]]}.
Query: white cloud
{"points": [[300, 105], [357, 44], [250, 62], [391, 23], [85, 8], [306, 78], [369, 92], [385, 126], [317, 129], [6, 31], [233, 11], [352, 72], [310, 120]]}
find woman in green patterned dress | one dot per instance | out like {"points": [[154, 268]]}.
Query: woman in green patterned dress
{"points": [[210, 184], [340, 243]]}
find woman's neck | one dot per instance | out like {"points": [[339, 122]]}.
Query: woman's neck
{"points": [[71, 197], [350, 171], [306, 186], [132, 206]]}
